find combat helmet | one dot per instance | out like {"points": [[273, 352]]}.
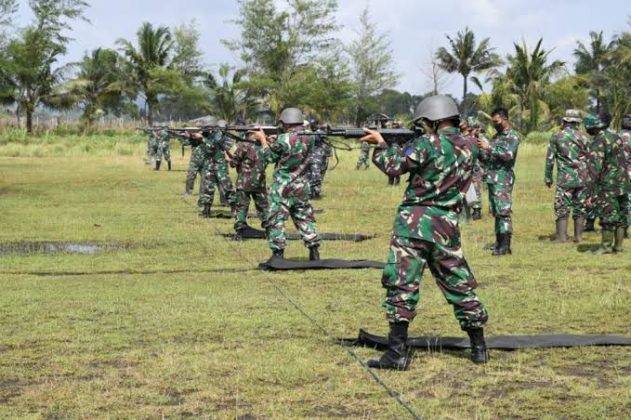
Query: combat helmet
{"points": [[473, 122], [572, 116], [592, 121], [436, 108], [291, 116]]}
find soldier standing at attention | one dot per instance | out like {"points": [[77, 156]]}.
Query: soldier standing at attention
{"points": [[289, 192], [611, 184], [163, 149], [570, 148], [249, 161], [426, 231], [498, 157]]}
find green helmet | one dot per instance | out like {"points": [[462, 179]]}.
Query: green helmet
{"points": [[436, 108], [592, 121], [291, 116]]}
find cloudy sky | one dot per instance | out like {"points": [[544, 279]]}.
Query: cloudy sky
{"points": [[416, 27]]}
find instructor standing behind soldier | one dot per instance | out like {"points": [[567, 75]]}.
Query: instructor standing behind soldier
{"points": [[570, 149], [426, 231], [499, 157]]}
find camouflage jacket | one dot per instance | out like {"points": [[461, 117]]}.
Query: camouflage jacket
{"points": [[290, 152], [625, 135], [499, 159], [609, 163], [569, 148], [216, 145], [440, 168], [249, 160], [321, 149]]}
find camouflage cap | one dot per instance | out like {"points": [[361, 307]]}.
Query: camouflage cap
{"points": [[572, 115], [592, 121], [473, 122]]}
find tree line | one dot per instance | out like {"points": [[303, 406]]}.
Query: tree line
{"points": [[292, 56]]}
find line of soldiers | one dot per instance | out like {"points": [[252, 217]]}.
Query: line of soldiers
{"points": [[158, 147], [300, 158], [593, 178]]}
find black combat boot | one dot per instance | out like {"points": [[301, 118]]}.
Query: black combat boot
{"points": [[476, 214], [205, 211], [619, 239], [589, 225], [169, 164], [399, 355], [479, 353], [503, 247], [314, 253], [157, 168], [238, 235], [561, 230], [579, 225], [493, 246]]}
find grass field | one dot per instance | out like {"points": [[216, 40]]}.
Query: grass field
{"points": [[173, 320]]}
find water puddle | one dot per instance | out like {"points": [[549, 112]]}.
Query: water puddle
{"points": [[81, 248]]}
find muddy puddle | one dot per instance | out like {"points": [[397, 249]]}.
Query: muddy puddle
{"points": [[81, 248]]}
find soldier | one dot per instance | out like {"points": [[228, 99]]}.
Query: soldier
{"points": [[289, 192], [318, 161], [163, 149], [364, 156], [197, 164], [569, 147], [426, 232], [249, 161], [216, 171], [625, 134], [611, 184], [151, 145], [498, 157]]}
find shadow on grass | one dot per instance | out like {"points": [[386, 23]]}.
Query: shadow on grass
{"points": [[585, 248], [126, 272]]}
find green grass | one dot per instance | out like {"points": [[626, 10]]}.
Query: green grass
{"points": [[180, 323]]}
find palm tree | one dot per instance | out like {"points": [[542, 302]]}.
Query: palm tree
{"points": [[528, 73], [592, 60], [466, 58], [149, 63], [231, 100], [97, 85]]}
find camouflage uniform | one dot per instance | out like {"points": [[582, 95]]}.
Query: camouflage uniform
{"points": [[163, 146], [364, 156], [569, 148], [611, 185], [499, 163], [289, 192], [426, 231], [216, 169], [152, 146], [196, 165], [625, 135], [249, 161], [318, 164]]}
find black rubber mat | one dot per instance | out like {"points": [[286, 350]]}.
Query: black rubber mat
{"points": [[279, 264], [500, 342], [251, 233]]}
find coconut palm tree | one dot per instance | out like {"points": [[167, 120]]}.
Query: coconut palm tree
{"points": [[466, 57], [149, 64], [529, 72], [592, 60], [230, 99]]}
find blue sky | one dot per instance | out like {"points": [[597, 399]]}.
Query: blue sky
{"points": [[415, 27]]}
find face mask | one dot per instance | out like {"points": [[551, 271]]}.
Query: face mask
{"points": [[498, 127]]}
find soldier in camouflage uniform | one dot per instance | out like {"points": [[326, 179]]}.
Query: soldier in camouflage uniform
{"points": [[151, 145], [625, 134], [196, 165], [250, 161], [364, 156], [289, 192], [216, 170], [472, 127], [611, 186], [318, 161], [163, 149], [570, 149], [426, 232], [498, 157]]}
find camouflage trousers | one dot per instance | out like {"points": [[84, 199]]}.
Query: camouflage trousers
{"points": [[152, 149], [282, 207], [403, 272], [501, 203], [568, 200], [364, 159], [195, 166], [613, 209], [315, 174], [242, 205], [163, 151], [217, 179]]}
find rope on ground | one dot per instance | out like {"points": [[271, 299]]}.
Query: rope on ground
{"points": [[391, 392]]}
